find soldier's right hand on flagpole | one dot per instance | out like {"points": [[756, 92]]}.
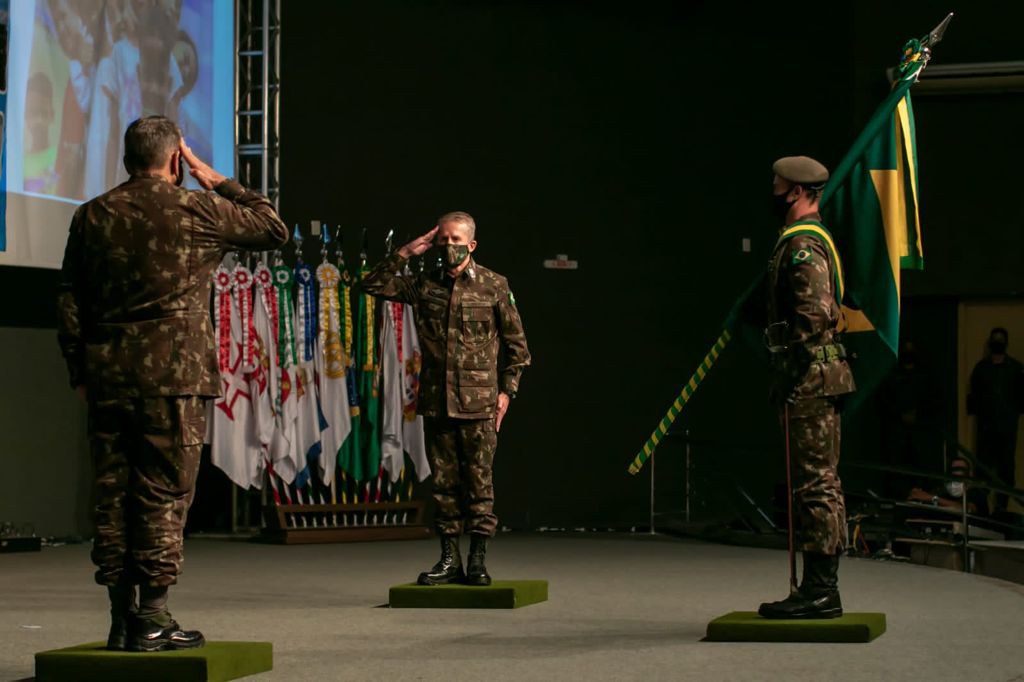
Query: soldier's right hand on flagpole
{"points": [[419, 245]]}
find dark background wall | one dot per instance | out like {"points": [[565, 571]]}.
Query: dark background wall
{"points": [[636, 138]]}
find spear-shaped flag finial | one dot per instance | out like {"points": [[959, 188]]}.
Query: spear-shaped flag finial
{"points": [[935, 37]]}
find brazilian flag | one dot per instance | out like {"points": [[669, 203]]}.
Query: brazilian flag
{"points": [[871, 206]]}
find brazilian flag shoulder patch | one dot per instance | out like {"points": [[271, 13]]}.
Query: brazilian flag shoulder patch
{"points": [[511, 298], [803, 256]]}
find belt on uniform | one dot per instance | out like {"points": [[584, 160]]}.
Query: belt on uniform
{"points": [[828, 352]]}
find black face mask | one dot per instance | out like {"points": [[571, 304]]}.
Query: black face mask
{"points": [[781, 205], [997, 347]]}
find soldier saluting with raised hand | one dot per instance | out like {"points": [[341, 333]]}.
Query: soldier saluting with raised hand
{"points": [[811, 375], [134, 327], [466, 317]]}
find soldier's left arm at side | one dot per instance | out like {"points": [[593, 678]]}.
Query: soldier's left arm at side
{"points": [[513, 340]]}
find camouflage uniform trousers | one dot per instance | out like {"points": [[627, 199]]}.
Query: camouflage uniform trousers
{"points": [[146, 455], [461, 453], [814, 433]]}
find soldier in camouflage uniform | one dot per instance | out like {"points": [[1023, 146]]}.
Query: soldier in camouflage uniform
{"points": [[466, 316], [810, 377], [135, 331]]}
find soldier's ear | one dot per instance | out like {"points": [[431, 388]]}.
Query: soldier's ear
{"points": [[472, 245]]}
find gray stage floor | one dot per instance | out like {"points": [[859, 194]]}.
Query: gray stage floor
{"points": [[621, 608]]}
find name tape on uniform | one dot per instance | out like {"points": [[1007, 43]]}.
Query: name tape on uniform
{"points": [[561, 262]]}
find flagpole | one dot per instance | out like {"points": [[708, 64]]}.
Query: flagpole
{"points": [[789, 504]]}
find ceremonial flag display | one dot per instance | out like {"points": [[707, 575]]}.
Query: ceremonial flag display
{"points": [[870, 204], [302, 385]]}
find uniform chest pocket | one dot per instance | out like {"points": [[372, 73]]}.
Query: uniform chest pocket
{"points": [[478, 322], [432, 315]]}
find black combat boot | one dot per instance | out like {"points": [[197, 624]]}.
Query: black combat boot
{"points": [[817, 596], [151, 628], [449, 568], [476, 571], [122, 605]]}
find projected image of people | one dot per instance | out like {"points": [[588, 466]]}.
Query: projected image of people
{"points": [[97, 66]]}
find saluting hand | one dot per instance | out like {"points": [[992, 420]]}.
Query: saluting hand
{"points": [[503, 401], [202, 172], [419, 245]]}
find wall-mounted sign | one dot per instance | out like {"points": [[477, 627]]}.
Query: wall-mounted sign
{"points": [[561, 262]]}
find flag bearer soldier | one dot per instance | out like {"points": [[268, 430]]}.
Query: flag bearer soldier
{"points": [[466, 317], [134, 327], [810, 377]]}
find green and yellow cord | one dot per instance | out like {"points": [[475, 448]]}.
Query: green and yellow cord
{"points": [[677, 406]]}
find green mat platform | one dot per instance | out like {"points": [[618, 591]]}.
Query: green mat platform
{"points": [[502, 594], [214, 662], [747, 626]]}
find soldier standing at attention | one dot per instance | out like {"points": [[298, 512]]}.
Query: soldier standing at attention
{"points": [[465, 315], [810, 377], [134, 327]]}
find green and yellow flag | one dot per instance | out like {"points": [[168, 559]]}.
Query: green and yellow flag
{"points": [[871, 206]]}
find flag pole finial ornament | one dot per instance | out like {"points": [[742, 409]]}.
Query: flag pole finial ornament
{"points": [[389, 242], [338, 254], [297, 240], [917, 53], [325, 240]]}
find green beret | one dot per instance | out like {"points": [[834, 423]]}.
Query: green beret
{"points": [[803, 170]]}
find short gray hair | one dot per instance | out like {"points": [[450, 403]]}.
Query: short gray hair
{"points": [[459, 217], [149, 142]]}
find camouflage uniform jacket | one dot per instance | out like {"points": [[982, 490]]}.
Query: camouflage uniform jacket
{"points": [[804, 282], [134, 292], [462, 325]]}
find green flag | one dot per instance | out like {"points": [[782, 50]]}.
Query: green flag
{"points": [[368, 369], [871, 206]]}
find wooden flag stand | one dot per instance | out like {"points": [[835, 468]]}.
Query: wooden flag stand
{"points": [[300, 524]]}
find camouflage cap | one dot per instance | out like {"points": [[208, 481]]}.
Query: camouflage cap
{"points": [[802, 170]]}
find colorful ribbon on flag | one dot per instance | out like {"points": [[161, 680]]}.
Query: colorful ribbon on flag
{"points": [[222, 317], [285, 332], [306, 311], [243, 298]]}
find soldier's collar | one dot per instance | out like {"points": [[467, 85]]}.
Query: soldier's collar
{"points": [[469, 272], [813, 216]]}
